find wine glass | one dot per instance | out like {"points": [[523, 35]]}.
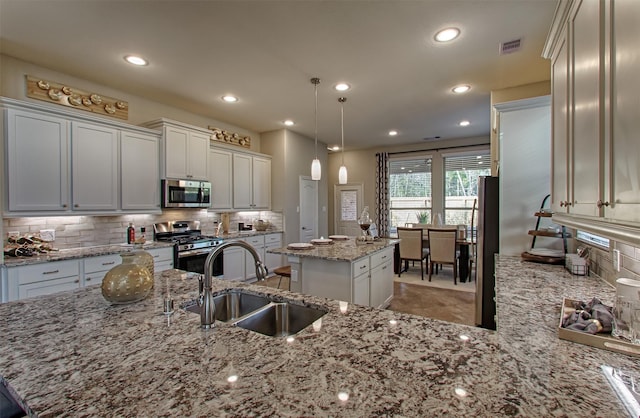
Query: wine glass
{"points": [[365, 222]]}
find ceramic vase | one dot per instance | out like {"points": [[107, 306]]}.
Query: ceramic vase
{"points": [[144, 259], [127, 282]]}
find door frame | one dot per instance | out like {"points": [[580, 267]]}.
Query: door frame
{"points": [[317, 197]]}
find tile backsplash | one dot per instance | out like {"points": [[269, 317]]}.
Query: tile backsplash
{"points": [[86, 231], [601, 261]]}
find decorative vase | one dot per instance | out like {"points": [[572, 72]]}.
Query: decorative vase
{"points": [[144, 259], [127, 282]]}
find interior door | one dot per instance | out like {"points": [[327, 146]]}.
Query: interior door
{"points": [[348, 205], [308, 209]]}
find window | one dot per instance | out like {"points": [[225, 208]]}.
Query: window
{"points": [[461, 184], [410, 191]]}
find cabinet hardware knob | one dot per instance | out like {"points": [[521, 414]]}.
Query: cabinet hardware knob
{"points": [[600, 203], [88, 279], [567, 203], [76, 281], [76, 205], [64, 205], [562, 203]]}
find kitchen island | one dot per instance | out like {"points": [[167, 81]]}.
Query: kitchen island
{"points": [[349, 270], [73, 354]]}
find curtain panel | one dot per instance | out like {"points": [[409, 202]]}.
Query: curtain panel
{"points": [[382, 193]]}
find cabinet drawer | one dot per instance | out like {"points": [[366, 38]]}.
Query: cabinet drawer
{"points": [[273, 239], [47, 287], [101, 263], [361, 266], [381, 257], [45, 271], [161, 254], [257, 242]]}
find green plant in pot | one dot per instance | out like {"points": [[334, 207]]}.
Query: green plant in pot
{"points": [[423, 217]]}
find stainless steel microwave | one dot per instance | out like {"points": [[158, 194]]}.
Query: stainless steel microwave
{"points": [[186, 194]]}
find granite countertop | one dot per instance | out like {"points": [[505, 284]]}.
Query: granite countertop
{"points": [[73, 354], [244, 234], [342, 250], [81, 252]]}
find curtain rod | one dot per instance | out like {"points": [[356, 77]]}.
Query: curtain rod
{"points": [[437, 149]]}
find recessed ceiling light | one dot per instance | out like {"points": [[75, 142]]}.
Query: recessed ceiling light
{"points": [[342, 87], [393, 133], [334, 148], [463, 88], [230, 99], [446, 35], [289, 122], [465, 123], [135, 60]]}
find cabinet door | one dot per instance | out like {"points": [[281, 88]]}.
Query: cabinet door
{"points": [[587, 171], [94, 167], [220, 176], [256, 242], [560, 123], [37, 162], [361, 289], [175, 152], [233, 264], [242, 181], [48, 287], [162, 258], [261, 183], [198, 155], [625, 102], [42, 279], [139, 160], [381, 284]]}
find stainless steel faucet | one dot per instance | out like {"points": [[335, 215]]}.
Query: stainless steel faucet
{"points": [[207, 305]]}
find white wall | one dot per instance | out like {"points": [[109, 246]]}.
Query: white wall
{"points": [[525, 171]]}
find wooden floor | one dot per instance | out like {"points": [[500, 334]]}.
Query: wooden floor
{"points": [[443, 304]]}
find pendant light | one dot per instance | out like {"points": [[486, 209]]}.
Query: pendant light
{"points": [[316, 169], [342, 173]]}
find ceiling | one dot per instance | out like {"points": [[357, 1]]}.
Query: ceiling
{"points": [[265, 53]]}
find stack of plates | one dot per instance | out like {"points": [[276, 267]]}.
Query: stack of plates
{"points": [[299, 246], [321, 241], [338, 237], [546, 252]]}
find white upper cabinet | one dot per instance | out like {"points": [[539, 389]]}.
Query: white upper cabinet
{"points": [[251, 182], [37, 159], [140, 183], [596, 97], [62, 163], [94, 167], [221, 178], [184, 150]]}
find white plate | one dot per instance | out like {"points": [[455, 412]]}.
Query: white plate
{"points": [[321, 241], [299, 246], [546, 252], [338, 237]]}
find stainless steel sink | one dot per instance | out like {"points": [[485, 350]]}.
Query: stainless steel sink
{"points": [[280, 319], [233, 305]]}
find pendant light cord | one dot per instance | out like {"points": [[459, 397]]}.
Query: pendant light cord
{"points": [[315, 82], [342, 100]]}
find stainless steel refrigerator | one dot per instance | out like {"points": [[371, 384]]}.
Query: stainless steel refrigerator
{"points": [[487, 245]]}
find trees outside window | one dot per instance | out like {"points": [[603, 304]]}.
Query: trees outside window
{"points": [[461, 184], [410, 191]]}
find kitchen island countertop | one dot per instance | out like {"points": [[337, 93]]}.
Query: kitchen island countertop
{"points": [[342, 250], [73, 354]]}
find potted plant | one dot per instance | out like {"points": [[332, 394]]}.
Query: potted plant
{"points": [[422, 217]]}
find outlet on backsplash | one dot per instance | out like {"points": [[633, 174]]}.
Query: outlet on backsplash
{"points": [[13, 233]]}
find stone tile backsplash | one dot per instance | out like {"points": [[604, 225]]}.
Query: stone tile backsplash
{"points": [[86, 231], [601, 262]]}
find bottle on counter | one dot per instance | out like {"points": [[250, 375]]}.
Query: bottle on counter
{"points": [[131, 234], [142, 233]]}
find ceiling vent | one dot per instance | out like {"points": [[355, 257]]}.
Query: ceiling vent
{"points": [[510, 46]]}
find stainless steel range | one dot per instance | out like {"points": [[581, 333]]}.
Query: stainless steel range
{"points": [[190, 246]]}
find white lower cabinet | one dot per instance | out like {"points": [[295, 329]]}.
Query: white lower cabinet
{"points": [[162, 258], [381, 278], [272, 261], [42, 279], [233, 263], [256, 242], [361, 289], [96, 267]]}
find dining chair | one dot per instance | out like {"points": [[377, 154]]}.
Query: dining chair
{"points": [[411, 248], [442, 249]]}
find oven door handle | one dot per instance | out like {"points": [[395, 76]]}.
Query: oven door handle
{"points": [[191, 253]]}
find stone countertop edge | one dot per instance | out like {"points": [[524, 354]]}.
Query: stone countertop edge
{"points": [[344, 250], [74, 354], [81, 252], [245, 234]]}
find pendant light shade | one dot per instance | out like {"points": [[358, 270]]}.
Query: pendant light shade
{"points": [[316, 169], [342, 173]]}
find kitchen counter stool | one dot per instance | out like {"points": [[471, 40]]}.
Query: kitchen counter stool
{"points": [[284, 271]]}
